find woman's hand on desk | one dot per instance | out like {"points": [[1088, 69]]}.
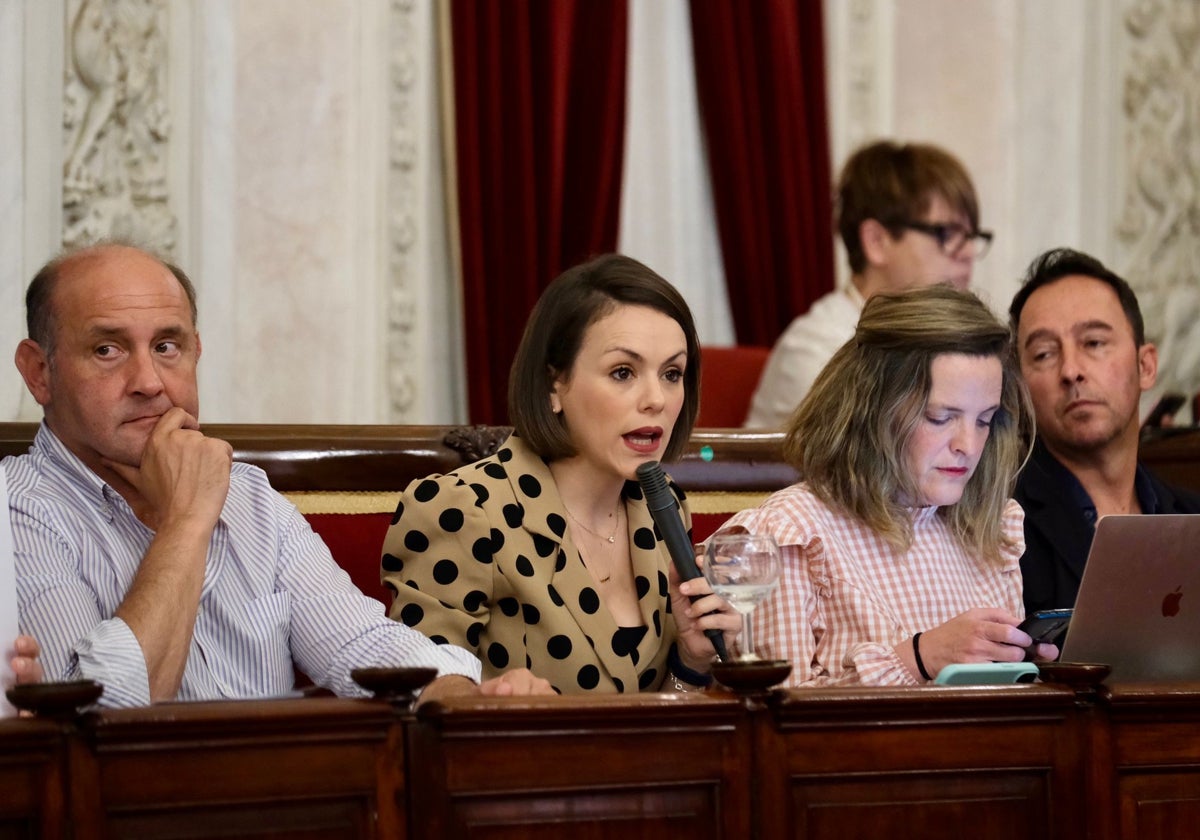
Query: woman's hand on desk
{"points": [[514, 683], [517, 682]]}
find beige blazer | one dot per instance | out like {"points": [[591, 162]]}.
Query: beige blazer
{"points": [[482, 558]]}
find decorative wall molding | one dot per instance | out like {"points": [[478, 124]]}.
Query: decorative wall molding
{"points": [[117, 124], [1158, 229], [402, 226]]}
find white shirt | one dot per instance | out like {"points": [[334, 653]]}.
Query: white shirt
{"points": [[805, 347], [272, 593]]}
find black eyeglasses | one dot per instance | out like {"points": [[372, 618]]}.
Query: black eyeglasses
{"points": [[952, 237]]}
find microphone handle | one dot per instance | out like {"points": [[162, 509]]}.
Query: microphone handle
{"points": [[684, 558]]}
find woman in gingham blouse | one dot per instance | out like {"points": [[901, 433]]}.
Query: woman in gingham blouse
{"points": [[900, 543]]}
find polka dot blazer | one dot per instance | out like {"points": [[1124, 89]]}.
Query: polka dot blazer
{"points": [[481, 558]]}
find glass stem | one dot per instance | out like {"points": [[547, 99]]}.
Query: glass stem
{"points": [[747, 638]]}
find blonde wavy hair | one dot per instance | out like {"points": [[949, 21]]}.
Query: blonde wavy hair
{"points": [[849, 436]]}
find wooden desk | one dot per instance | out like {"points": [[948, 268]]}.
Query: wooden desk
{"points": [[649, 767], [306, 768], [1019, 761], [32, 779], [1146, 751], [979, 762]]}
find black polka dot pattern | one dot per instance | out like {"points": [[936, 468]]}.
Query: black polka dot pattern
{"points": [[412, 614], [497, 656], [451, 520], [642, 584], [643, 538], [589, 677], [481, 550], [487, 562], [514, 515], [426, 491], [589, 601], [559, 646], [530, 486], [445, 572]]}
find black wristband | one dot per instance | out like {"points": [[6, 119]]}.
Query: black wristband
{"points": [[675, 663], [917, 656]]}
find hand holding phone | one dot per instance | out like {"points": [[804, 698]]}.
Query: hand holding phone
{"points": [[1045, 627]]}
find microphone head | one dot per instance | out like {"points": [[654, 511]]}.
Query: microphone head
{"points": [[654, 484]]}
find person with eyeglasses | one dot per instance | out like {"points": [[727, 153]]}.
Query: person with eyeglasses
{"points": [[909, 217]]}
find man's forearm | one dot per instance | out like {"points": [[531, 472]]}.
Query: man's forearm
{"points": [[160, 607]]}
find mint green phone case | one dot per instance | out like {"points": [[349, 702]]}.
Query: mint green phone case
{"points": [[987, 673]]}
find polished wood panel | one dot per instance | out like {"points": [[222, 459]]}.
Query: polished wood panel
{"points": [[308, 768], [1149, 741], [932, 762], [32, 779], [623, 768], [1019, 761]]}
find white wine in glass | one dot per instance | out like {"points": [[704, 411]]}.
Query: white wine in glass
{"points": [[743, 569]]}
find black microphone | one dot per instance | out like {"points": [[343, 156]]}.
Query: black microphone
{"points": [[665, 512]]}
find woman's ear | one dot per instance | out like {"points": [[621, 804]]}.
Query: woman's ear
{"points": [[556, 385]]}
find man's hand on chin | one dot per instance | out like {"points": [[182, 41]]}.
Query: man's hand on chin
{"points": [[183, 473]]}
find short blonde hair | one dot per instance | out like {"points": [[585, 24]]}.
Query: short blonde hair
{"points": [[849, 436]]}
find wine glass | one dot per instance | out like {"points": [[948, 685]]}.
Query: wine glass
{"points": [[743, 569]]}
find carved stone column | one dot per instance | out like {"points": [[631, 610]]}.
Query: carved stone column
{"points": [[1158, 231], [116, 123]]}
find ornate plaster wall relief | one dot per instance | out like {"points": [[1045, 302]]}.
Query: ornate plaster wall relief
{"points": [[1158, 230], [402, 213], [862, 75], [116, 123]]}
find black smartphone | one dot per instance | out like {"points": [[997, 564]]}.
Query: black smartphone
{"points": [[1045, 627], [1164, 408]]}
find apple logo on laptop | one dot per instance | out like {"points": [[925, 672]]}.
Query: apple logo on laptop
{"points": [[1170, 605]]}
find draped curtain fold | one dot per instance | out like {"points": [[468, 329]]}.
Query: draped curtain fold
{"points": [[760, 75], [539, 89]]}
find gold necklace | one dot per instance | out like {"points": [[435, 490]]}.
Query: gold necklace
{"points": [[610, 539]]}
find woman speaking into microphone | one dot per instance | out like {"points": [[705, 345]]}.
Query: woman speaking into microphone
{"points": [[544, 556]]}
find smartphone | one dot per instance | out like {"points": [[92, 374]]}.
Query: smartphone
{"points": [[987, 673], [1046, 626], [1164, 408]]}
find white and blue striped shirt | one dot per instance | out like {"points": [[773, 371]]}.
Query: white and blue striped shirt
{"points": [[272, 593]]}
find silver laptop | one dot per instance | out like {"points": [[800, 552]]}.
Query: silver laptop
{"points": [[1138, 608]]}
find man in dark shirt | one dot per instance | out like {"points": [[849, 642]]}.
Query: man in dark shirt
{"points": [[1085, 357]]}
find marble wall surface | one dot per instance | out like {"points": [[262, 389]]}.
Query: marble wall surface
{"points": [[290, 155]]}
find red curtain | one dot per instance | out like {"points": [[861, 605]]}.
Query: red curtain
{"points": [[760, 77], [539, 89]]}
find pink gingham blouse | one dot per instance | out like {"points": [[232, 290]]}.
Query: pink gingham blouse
{"points": [[846, 598]]}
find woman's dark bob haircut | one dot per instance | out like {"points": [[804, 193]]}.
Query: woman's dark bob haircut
{"points": [[576, 299]]}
